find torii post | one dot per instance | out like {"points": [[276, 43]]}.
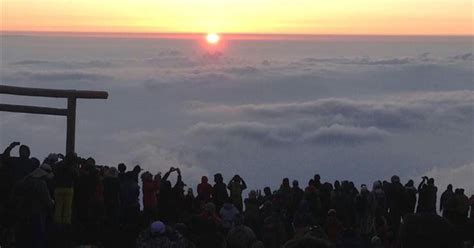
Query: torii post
{"points": [[69, 112]]}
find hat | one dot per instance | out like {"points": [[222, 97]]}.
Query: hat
{"points": [[157, 227], [43, 170], [53, 157], [332, 211], [376, 240]]}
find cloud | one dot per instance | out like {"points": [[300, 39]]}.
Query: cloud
{"points": [[465, 57], [68, 65], [155, 151], [60, 76], [261, 133], [402, 111], [266, 116], [246, 70], [360, 61], [290, 135], [338, 134]]}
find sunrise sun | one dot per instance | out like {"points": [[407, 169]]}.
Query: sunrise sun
{"points": [[212, 38]]}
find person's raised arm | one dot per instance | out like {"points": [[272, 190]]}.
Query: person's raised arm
{"points": [[179, 178], [421, 184], [6, 153], [167, 174], [244, 185]]}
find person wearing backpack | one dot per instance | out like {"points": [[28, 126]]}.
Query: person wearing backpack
{"points": [[33, 204]]}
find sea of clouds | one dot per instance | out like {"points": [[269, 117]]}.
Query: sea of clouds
{"points": [[263, 115]]}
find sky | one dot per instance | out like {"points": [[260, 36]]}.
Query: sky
{"points": [[357, 108], [381, 17]]}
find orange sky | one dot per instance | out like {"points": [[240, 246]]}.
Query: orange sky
{"points": [[379, 17]]}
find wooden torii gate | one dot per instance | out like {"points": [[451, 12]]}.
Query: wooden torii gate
{"points": [[69, 112]]}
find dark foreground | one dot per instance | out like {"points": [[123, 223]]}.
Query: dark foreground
{"points": [[70, 201]]}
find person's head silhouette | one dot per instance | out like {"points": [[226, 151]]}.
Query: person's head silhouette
{"points": [[24, 151], [295, 183], [218, 178], [431, 181], [450, 187], [122, 168], [267, 191]]}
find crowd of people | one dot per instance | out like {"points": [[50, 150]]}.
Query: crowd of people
{"points": [[68, 201]]}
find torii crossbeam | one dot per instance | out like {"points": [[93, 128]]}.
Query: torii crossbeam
{"points": [[69, 112]]}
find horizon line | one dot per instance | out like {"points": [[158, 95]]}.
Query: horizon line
{"points": [[228, 35]]}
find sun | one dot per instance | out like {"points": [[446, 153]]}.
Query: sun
{"points": [[212, 38]]}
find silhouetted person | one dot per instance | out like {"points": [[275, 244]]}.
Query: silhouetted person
{"points": [[177, 198], [252, 216], [410, 198], [427, 196], [461, 202], [150, 202], [285, 193], [165, 206], [395, 197], [122, 168], [296, 195], [112, 205], [228, 213], [219, 193], [33, 203], [65, 177], [18, 167], [317, 181], [84, 191], [136, 172], [325, 196], [236, 186], [204, 190], [191, 206], [380, 200], [333, 226], [365, 212], [446, 202], [129, 192], [267, 195]]}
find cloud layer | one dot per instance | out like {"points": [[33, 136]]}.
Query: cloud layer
{"points": [[265, 111]]}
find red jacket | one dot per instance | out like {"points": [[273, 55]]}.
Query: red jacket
{"points": [[150, 188]]}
